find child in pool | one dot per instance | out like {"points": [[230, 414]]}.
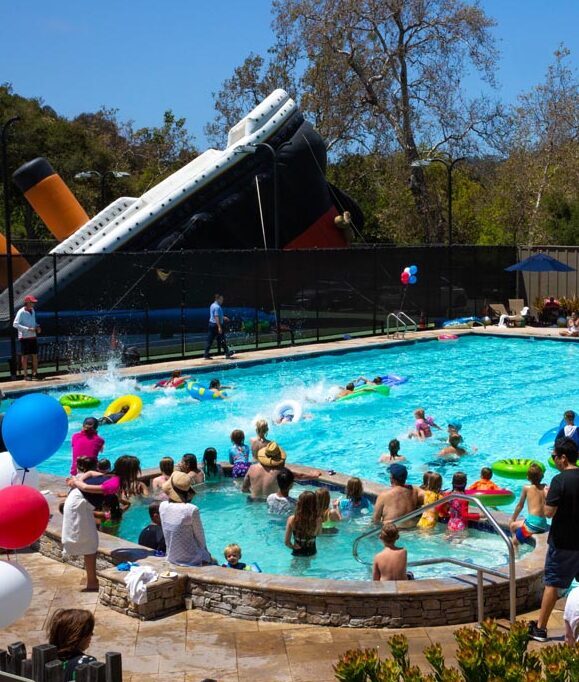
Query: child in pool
{"points": [[484, 482], [239, 454], [453, 429], [535, 495], [109, 518], [432, 494], [355, 503], [328, 516], [188, 465], [303, 526], [453, 449], [392, 454], [456, 510], [232, 554], [425, 479], [391, 563], [104, 466], [211, 469], [423, 425], [569, 429], [166, 467]]}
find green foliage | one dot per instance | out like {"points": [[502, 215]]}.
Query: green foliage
{"points": [[488, 654]]}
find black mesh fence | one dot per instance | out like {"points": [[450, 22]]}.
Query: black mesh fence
{"points": [[157, 303]]}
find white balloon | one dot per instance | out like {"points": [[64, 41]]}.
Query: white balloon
{"points": [[11, 473], [15, 592]]}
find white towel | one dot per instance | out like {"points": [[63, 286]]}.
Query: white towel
{"points": [[79, 531], [137, 580]]}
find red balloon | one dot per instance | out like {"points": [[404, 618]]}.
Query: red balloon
{"points": [[404, 278], [24, 515]]}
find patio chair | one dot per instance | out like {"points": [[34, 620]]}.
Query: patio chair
{"points": [[516, 305], [496, 310]]}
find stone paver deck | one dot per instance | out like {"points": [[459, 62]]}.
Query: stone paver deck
{"points": [[193, 645]]}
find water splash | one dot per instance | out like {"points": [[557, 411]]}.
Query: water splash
{"points": [[110, 383]]}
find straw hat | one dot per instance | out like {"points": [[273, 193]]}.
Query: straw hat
{"points": [[178, 487], [271, 455]]}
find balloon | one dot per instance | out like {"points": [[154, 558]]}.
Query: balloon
{"points": [[486, 321], [413, 279], [407, 270], [15, 592], [12, 473], [24, 516], [413, 269], [404, 277], [34, 427]]}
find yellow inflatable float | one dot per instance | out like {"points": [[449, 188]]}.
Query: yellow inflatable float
{"points": [[133, 402]]}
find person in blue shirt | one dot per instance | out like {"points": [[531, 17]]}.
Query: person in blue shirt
{"points": [[216, 329]]}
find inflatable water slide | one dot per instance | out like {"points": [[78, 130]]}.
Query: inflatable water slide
{"points": [[223, 199]]}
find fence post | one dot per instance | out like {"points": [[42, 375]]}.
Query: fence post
{"points": [[26, 669], [256, 270], [182, 268], [147, 330], [3, 660], [56, 318], [278, 257], [97, 671], [81, 673], [316, 278], [17, 654], [374, 310], [41, 655], [114, 663], [54, 672]]}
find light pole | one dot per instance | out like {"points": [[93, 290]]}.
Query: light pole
{"points": [[8, 233], [87, 175], [449, 164]]}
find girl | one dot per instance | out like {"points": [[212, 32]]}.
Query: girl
{"points": [[425, 478], [211, 469], [457, 510], [239, 454], [423, 425], [188, 465], [70, 631], [356, 503], [166, 466], [328, 517], [260, 440], [431, 494], [304, 526], [111, 515]]}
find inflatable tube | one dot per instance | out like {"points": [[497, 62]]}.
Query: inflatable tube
{"points": [[493, 498], [67, 409], [448, 337], [202, 393], [134, 403], [79, 400], [287, 408], [178, 383], [393, 380], [365, 389], [514, 468], [461, 323]]}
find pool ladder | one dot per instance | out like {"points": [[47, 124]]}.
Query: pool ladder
{"points": [[480, 570], [403, 322]]}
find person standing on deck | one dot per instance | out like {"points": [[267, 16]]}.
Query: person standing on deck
{"points": [[216, 329]]}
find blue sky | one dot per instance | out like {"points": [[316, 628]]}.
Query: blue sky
{"points": [[148, 56]]}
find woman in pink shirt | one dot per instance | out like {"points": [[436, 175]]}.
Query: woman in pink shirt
{"points": [[86, 443], [123, 481]]}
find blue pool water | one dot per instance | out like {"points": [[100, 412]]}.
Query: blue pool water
{"points": [[261, 537], [507, 393]]}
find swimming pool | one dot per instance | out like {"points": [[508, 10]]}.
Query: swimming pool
{"points": [[261, 536], [506, 392]]}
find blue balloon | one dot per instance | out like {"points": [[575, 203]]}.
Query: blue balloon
{"points": [[413, 269], [34, 427], [413, 279]]}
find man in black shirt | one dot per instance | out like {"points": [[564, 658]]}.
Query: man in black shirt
{"points": [[562, 561], [152, 536]]}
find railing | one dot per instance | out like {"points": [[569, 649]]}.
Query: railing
{"points": [[441, 560], [400, 318]]}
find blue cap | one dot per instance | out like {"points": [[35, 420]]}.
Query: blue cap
{"points": [[398, 472], [456, 423]]}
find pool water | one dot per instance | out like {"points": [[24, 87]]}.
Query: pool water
{"points": [[506, 392], [261, 537]]}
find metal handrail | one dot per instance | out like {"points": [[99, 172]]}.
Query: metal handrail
{"points": [[398, 317], [439, 560], [403, 315]]}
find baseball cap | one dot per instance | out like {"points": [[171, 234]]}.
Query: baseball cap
{"points": [[398, 472], [30, 299]]}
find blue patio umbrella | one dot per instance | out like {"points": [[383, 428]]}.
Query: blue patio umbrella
{"points": [[540, 262]]}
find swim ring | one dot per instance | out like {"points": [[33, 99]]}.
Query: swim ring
{"points": [[134, 403], [201, 393], [448, 337], [177, 383], [514, 468], [67, 409], [367, 388], [79, 400], [393, 380], [286, 408], [493, 498]]}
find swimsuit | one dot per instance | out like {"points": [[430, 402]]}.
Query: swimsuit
{"points": [[307, 546], [536, 524], [349, 508], [423, 425], [483, 484], [239, 457], [458, 510], [429, 518]]}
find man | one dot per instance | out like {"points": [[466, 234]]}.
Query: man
{"points": [[215, 331], [25, 323], [562, 560], [400, 499]]}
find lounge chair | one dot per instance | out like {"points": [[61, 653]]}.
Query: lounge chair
{"points": [[515, 320], [516, 305], [496, 310]]}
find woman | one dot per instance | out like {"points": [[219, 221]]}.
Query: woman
{"points": [[189, 466], [70, 631], [304, 526], [123, 480], [181, 522]]}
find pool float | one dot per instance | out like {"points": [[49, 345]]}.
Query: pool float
{"points": [[133, 402], [366, 388], [67, 409], [514, 468], [287, 408], [448, 337], [493, 498], [176, 383], [393, 380], [201, 393], [79, 400], [462, 323]]}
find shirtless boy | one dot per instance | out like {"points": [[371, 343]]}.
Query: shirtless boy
{"points": [[535, 495], [391, 562]]}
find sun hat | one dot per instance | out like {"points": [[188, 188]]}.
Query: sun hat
{"points": [[178, 487], [271, 455], [398, 472], [30, 299]]}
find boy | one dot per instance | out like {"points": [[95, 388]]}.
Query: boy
{"points": [[103, 466], [390, 563], [280, 502], [453, 448], [232, 554], [392, 454], [152, 535], [569, 430], [484, 482], [535, 495]]}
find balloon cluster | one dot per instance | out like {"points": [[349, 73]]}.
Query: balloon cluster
{"points": [[33, 428], [408, 275]]}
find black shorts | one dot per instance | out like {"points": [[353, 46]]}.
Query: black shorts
{"points": [[29, 346], [561, 567]]}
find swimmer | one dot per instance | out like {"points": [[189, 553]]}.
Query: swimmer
{"points": [[484, 482], [392, 454], [534, 495], [216, 384], [176, 379], [456, 510], [377, 381], [423, 425], [232, 554], [115, 416], [453, 449], [348, 389], [454, 428], [391, 563]]}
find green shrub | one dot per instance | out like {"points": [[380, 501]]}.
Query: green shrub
{"points": [[485, 654]]}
